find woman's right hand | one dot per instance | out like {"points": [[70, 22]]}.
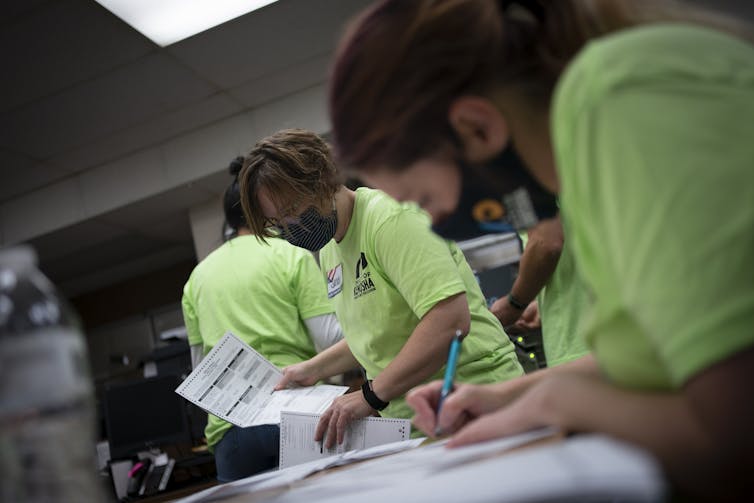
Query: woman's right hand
{"points": [[465, 403], [298, 374]]}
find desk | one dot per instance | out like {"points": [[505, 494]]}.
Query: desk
{"points": [[174, 494], [579, 468]]}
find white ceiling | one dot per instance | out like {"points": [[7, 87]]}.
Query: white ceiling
{"points": [[81, 89]]}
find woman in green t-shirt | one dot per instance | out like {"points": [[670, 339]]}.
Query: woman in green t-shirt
{"points": [[638, 115], [270, 296], [400, 292]]}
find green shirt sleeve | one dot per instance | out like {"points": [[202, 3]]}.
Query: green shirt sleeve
{"points": [[417, 261], [189, 316]]}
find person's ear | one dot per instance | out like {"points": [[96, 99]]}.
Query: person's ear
{"points": [[480, 126]]}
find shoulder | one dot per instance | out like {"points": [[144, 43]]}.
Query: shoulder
{"points": [[654, 53], [375, 209]]}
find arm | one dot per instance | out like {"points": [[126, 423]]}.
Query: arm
{"points": [[702, 434], [426, 350], [190, 320], [197, 353], [538, 262], [422, 355], [324, 331], [333, 361], [528, 321]]}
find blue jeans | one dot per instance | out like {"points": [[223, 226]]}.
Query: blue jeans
{"points": [[243, 452]]}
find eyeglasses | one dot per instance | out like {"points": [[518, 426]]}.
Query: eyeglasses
{"points": [[289, 217], [293, 217]]}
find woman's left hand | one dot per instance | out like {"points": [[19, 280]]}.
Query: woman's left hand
{"points": [[344, 409]]}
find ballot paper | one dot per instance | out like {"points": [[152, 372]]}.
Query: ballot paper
{"points": [[235, 383], [297, 443], [267, 484]]}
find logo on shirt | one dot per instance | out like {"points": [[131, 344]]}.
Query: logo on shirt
{"points": [[364, 283], [334, 281]]}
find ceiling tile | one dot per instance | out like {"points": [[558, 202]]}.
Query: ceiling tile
{"points": [[266, 41], [155, 130], [128, 96], [59, 44], [19, 174], [15, 9], [71, 240], [122, 182], [285, 81]]}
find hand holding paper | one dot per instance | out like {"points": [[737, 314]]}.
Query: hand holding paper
{"points": [[298, 444], [235, 383], [331, 428], [298, 374]]}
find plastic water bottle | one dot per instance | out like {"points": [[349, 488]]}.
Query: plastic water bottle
{"points": [[47, 448]]}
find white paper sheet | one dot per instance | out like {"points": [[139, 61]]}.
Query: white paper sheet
{"points": [[236, 383], [297, 443], [269, 483], [582, 468]]}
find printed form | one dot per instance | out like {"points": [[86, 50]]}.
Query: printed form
{"points": [[236, 383], [297, 443]]}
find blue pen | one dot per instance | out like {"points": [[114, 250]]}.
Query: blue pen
{"points": [[450, 372]]}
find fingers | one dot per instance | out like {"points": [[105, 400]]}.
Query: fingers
{"points": [[284, 382], [333, 424], [423, 399], [323, 424], [344, 419], [483, 428], [522, 415], [454, 413]]}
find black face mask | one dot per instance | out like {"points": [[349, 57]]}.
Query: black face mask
{"points": [[498, 196], [312, 231]]}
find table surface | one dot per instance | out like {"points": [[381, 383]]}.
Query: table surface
{"points": [[549, 468]]}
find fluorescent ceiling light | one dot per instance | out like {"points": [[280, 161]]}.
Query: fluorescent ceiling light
{"points": [[168, 21]]}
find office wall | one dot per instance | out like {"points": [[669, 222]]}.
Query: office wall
{"points": [[206, 226]]}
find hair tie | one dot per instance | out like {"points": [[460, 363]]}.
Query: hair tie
{"points": [[235, 166]]}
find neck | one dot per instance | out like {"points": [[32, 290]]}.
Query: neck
{"points": [[530, 132], [243, 231], [344, 202]]}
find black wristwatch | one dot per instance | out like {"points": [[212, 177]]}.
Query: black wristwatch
{"points": [[372, 399], [517, 304]]}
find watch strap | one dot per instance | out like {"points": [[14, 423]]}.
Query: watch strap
{"points": [[372, 399]]}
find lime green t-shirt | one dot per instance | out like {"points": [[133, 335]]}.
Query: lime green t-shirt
{"points": [[261, 293], [387, 272], [654, 139]]}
